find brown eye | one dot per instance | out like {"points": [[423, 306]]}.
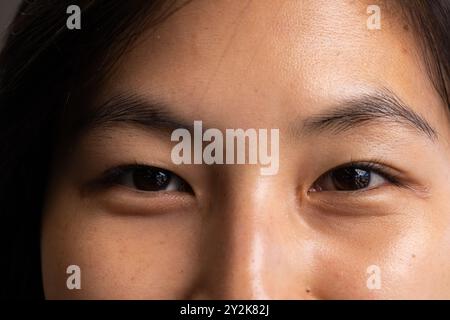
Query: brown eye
{"points": [[350, 178], [151, 179]]}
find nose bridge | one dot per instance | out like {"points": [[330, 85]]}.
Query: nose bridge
{"points": [[245, 253], [240, 256]]}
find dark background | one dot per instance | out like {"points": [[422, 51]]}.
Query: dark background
{"points": [[7, 10]]}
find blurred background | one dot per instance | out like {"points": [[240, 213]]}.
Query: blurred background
{"points": [[7, 11]]}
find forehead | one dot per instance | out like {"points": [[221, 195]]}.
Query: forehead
{"points": [[276, 57]]}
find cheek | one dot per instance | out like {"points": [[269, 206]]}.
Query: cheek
{"points": [[120, 257], [159, 256], [383, 261]]}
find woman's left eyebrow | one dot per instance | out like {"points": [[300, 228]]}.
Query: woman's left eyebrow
{"points": [[380, 106]]}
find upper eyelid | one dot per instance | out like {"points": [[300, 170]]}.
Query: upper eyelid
{"points": [[355, 193], [127, 168], [110, 176], [383, 170], [420, 190], [374, 166]]}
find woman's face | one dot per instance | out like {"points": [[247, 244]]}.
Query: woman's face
{"points": [[358, 207]]}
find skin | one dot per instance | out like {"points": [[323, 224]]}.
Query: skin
{"points": [[242, 235]]}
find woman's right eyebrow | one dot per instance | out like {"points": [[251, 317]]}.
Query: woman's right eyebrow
{"points": [[136, 110]]}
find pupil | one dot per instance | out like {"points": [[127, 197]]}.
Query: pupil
{"points": [[351, 179], [149, 179]]}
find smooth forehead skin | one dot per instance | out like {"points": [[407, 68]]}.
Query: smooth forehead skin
{"points": [[290, 54], [260, 64]]}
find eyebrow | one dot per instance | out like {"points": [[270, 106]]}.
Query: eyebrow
{"points": [[349, 114], [367, 109], [138, 111]]}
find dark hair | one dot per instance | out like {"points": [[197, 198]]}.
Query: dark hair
{"points": [[430, 20], [43, 66]]}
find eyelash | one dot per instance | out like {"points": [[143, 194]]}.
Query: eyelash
{"points": [[114, 176], [377, 168], [369, 166]]}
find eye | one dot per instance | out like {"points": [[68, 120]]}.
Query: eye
{"points": [[352, 177], [147, 178]]}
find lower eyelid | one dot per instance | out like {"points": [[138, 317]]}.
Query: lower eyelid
{"points": [[354, 198], [116, 201], [143, 193], [352, 193], [118, 191]]}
